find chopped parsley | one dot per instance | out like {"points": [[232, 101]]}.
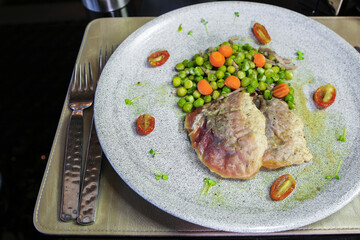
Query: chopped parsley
{"points": [[190, 33]]}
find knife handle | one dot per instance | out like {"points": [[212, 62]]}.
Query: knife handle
{"points": [[72, 168], [91, 180]]}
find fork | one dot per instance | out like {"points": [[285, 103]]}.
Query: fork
{"points": [[91, 176], [80, 97]]}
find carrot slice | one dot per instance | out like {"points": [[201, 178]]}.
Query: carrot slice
{"points": [[232, 82], [281, 90], [217, 59], [259, 60], [204, 87], [226, 50]]}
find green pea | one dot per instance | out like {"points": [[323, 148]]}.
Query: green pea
{"points": [[207, 98], [226, 89], [241, 74], [188, 84], [198, 78], [181, 91], [252, 64], [212, 77], [245, 66], [206, 57], [269, 72], [185, 62], [195, 56], [192, 77], [261, 77], [276, 69], [192, 71], [269, 80], [199, 60], [228, 61], [254, 83], [245, 82], [262, 86], [176, 81], [215, 94], [180, 66], [289, 98], [239, 58], [272, 57], [208, 65], [181, 102], [190, 64], [276, 77], [281, 74], [219, 74], [289, 75], [235, 48], [198, 71], [260, 70], [213, 85], [247, 47], [268, 94], [291, 91], [231, 69], [222, 68], [291, 105], [190, 98], [268, 65], [199, 102], [187, 107], [250, 89], [248, 56], [253, 75], [220, 83], [227, 74], [196, 94]]}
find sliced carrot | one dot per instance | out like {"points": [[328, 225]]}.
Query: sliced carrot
{"points": [[259, 60], [232, 82], [217, 59], [281, 90], [226, 50], [204, 87]]}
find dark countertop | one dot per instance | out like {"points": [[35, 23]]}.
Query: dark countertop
{"points": [[41, 43]]}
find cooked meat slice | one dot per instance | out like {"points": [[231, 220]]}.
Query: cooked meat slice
{"points": [[285, 135], [229, 136]]}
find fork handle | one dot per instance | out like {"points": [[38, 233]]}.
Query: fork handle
{"points": [[91, 179], [72, 168]]}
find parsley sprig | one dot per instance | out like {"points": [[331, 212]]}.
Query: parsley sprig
{"points": [[336, 174], [205, 24], [208, 183], [236, 16], [300, 55], [159, 175], [190, 33], [131, 102], [342, 137]]}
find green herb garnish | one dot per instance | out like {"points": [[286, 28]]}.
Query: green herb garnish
{"points": [[236, 16], [205, 23], [300, 55], [342, 137], [336, 175], [138, 84], [180, 28], [153, 153], [131, 102], [208, 183], [159, 175], [191, 34]]}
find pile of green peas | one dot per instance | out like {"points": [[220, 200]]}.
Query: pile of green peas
{"points": [[252, 78]]}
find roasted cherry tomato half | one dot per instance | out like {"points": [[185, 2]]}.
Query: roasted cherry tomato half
{"points": [[145, 124], [261, 33], [158, 58], [325, 95], [282, 187]]}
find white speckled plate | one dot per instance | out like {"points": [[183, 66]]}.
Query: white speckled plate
{"points": [[231, 205]]}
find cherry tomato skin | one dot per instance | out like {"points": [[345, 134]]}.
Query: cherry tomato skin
{"points": [[261, 33], [158, 58], [145, 124], [282, 187], [325, 95]]}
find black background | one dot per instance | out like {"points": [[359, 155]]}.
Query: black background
{"points": [[39, 45]]}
